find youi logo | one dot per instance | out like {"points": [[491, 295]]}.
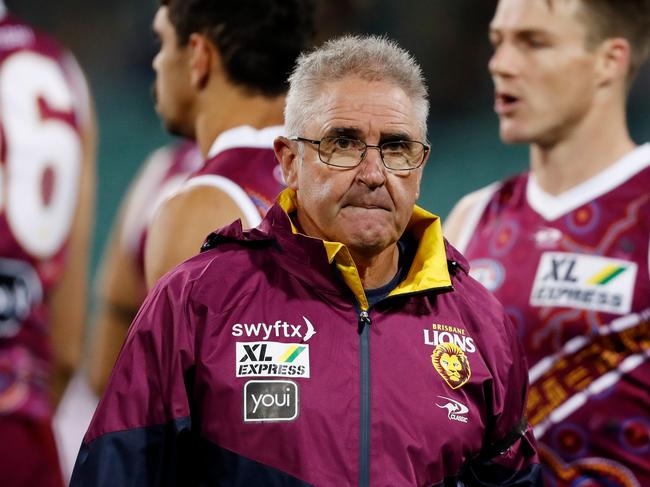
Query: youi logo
{"points": [[270, 400]]}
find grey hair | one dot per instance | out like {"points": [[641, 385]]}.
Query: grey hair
{"points": [[371, 58]]}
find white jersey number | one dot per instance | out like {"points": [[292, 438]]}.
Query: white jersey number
{"points": [[43, 154]]}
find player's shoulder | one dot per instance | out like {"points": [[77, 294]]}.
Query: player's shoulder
{"points": [[465, 214], [468, 202], [230, 258], [17, 35], [27, 53], [192, 198]]}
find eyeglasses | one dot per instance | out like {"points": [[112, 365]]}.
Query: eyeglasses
{"points": [[398, 155]]}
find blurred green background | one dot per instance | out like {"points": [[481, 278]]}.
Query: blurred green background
{"points": [[114, 44]]}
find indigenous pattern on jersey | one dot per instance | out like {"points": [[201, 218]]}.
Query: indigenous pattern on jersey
{"points": [[252, 364], [43, 105], [572, 273], [242, 164], [163, 173]]}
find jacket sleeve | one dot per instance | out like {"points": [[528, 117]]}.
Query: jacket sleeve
{"points": [[141, 432], [509, 455]]}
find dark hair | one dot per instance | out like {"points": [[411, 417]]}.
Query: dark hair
{"points": [[259, 40], [629, 19]]}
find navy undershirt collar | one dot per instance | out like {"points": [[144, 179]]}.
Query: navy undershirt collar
{"points": [[405, 246]]}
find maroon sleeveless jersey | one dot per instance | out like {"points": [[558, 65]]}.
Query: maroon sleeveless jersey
{"points": [[164, 171], [43, 106], [242, 164], [572, 273]]}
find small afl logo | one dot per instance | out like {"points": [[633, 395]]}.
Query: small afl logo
{"points": [[488, 272]]}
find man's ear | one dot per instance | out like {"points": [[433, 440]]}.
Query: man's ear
{"points": [[288, 159], [613, 61], [203, 56]]}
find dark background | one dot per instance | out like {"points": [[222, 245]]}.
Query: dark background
{"points": [[114, 45]]}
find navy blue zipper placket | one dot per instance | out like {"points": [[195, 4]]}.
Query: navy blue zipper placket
{"points": [[364, 370]]}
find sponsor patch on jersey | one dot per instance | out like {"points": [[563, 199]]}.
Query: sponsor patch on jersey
{"points": [[456, 411], [20, 292], [582, 281], [272, 359], [278, 329], [488, 272], [270, 400], [547, 238]]}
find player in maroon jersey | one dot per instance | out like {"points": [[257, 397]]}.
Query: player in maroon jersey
{"points": [[121, 286], [565, 245], [47, 145], [221, 78]]}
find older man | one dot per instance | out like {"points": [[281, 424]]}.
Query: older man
{"points": [[340, 342]]}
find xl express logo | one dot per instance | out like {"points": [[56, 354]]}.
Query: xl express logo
{"points": [[255, 359], [581, 281]]}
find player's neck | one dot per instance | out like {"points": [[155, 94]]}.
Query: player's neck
{"points": [[588, 150], [233, 109]]}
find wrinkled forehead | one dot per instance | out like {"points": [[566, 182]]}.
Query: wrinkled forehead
{"points": [[361, 107]]}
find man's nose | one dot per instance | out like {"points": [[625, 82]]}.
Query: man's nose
{"points": [[372, 171], [503, 61]]}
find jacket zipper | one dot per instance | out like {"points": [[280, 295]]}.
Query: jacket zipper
{"points": [[364, 438]]}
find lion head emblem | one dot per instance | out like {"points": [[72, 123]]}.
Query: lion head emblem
{"points": [[451, 363]]}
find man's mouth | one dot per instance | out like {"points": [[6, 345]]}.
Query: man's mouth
{"points": [[367, 206], [505, 103]]}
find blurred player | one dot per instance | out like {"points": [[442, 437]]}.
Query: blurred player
{"points": [[121, 287], [565, 245], [221, 78], [47, 146]]}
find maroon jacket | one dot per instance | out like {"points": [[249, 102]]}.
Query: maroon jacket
{"points": [[253, 364]]}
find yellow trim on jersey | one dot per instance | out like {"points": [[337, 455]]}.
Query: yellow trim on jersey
{"points": [[428, 270]]}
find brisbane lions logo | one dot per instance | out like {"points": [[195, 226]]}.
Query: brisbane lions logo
{"points": [[451, 363]]}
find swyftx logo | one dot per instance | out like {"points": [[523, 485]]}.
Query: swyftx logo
{"points": [[456, 411], [270, 400]]}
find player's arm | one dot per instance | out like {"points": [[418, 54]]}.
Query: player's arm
{"points": [[120, 291], [182, 223], [67, 303], [461, 221]]}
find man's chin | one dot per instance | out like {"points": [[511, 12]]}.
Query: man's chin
{"points": [[369, 244], [510, 135], [175, 128]]}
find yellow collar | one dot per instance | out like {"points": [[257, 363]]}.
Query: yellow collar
{"points": [[429, 267]]}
